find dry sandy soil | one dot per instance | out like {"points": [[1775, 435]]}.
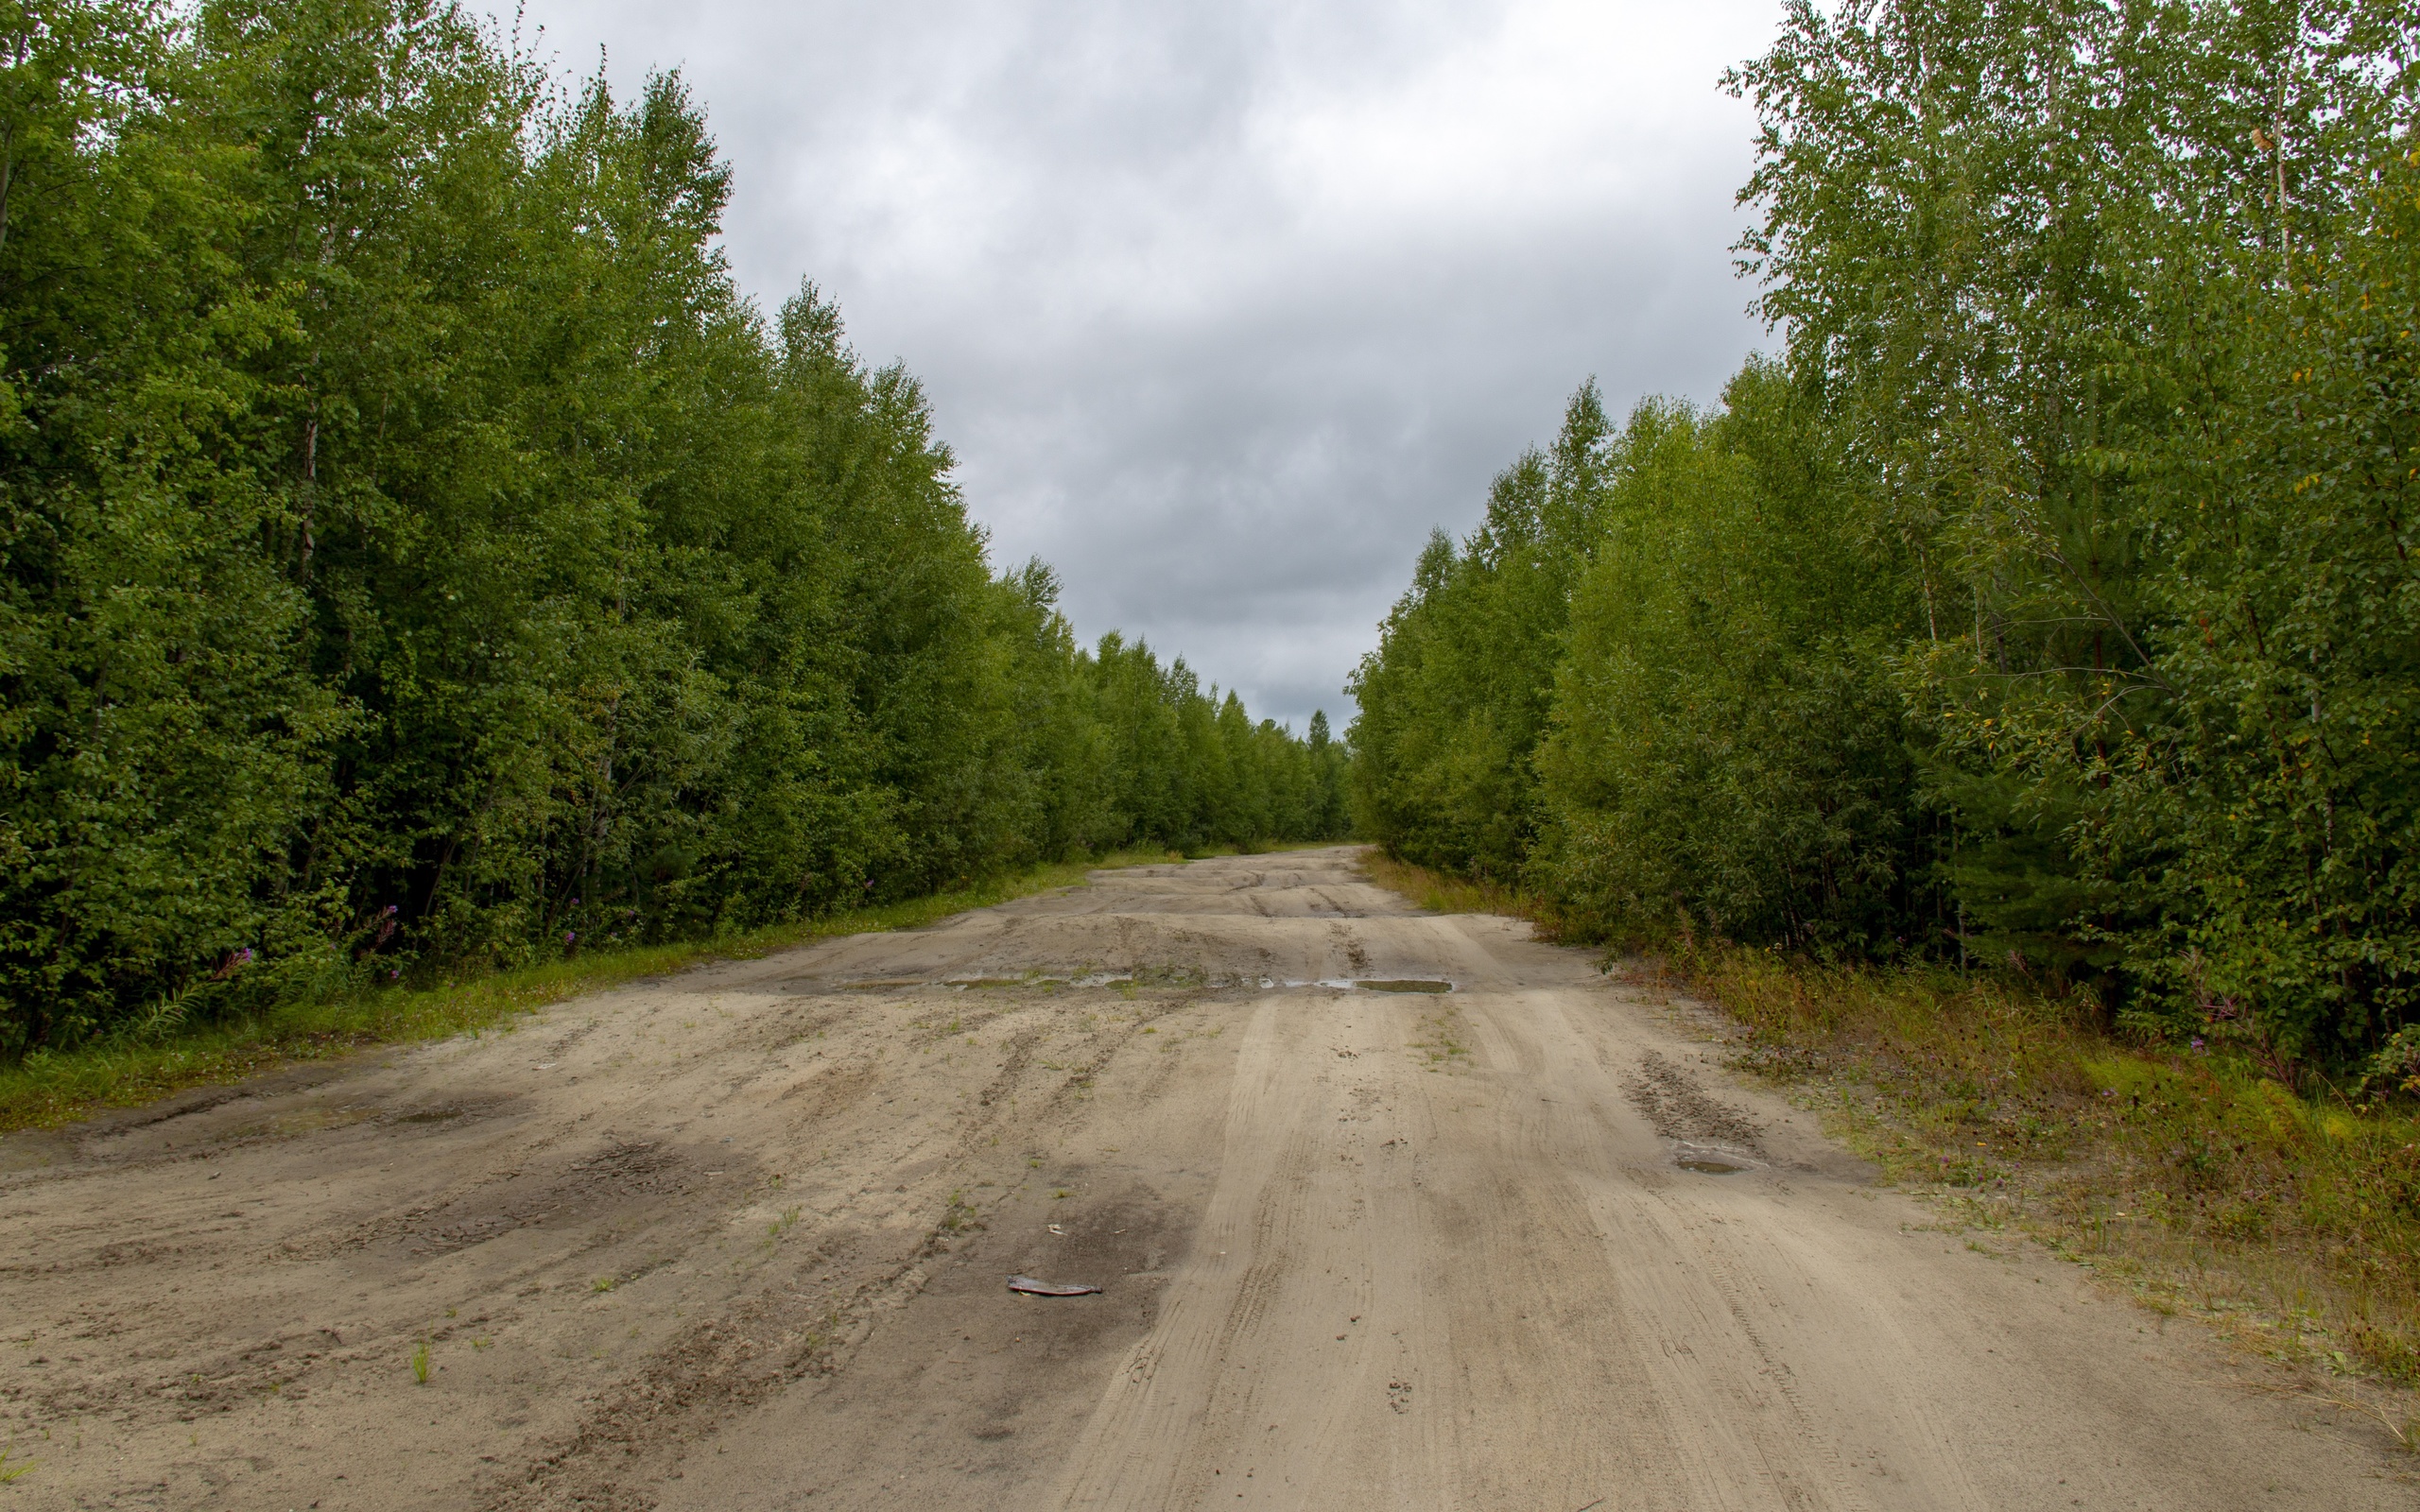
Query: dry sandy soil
{"points": [[740, 1239]]}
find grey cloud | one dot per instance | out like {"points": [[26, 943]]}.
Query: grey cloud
{"points": [[1223, 306]]}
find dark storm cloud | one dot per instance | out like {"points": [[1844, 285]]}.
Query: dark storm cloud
{"points": [[1223, 306]]}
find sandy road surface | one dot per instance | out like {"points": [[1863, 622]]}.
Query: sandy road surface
{"points": [[738, 1240]]}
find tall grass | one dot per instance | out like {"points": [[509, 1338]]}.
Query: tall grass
{"points": [[49, 1088], [2190, 1173], [1445, 893]]}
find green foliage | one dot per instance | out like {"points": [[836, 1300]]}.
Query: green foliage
{"points": [[2277, 784], [415, 553], [2120, 356], [1453, 701], [1727, 752], [2049, 602]]}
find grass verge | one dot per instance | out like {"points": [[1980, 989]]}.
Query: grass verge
{"points": [[47, 1091], [1445, 893], [2186, 1177]]}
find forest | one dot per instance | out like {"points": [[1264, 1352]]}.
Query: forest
{"points": [[416, 552], [2044, 603]]}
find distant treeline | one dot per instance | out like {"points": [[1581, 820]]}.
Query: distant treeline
{"points": [[2050, 601], [416, 551]]}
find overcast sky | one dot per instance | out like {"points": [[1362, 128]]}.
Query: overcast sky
{"points": [[1223, 306]]}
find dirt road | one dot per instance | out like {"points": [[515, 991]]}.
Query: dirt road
{"points": [[739, 1239]]}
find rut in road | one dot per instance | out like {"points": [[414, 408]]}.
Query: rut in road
{"points": [[740, 1239]]}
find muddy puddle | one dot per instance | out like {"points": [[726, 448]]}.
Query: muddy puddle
{"points": [[1711, 1160], [1347, 984]]}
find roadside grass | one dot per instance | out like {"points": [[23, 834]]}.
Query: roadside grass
{"points": [[1445, 893], [2187, 1177], [48, 1089]]}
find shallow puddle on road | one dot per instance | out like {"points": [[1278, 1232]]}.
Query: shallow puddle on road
{"points": [[1389, 985], [1711, 1160]]}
